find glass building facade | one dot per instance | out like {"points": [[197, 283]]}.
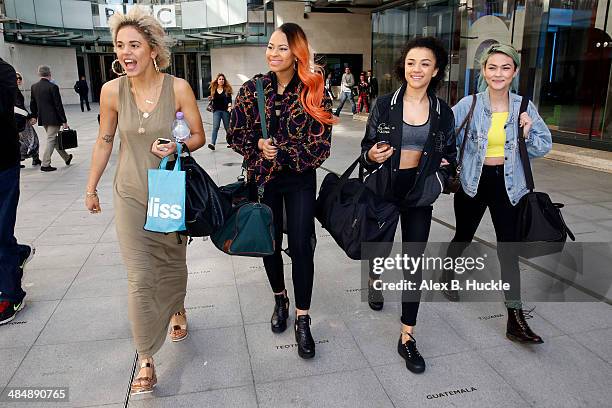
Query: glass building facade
{"points": [[565, 48], [194, 28]]}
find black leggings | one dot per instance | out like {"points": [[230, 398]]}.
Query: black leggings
{"points": [[416, 223], [297, 190], [468, 214]]}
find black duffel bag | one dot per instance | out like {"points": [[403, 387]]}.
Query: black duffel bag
{"points": [[353, 214], [540, 223], [206, 208]]}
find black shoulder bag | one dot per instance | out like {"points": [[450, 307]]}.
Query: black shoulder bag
{"points": [[539, 219], [454, 182], [353, 214]]}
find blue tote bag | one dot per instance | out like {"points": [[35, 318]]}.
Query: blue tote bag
{"points": [[166, 205]]}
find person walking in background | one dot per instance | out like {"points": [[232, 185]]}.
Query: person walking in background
{"points": [[328, 86], [13, 257], [373, 87], [364, 94], [299, 118], [346, 91], [492, 175], [143, 103], [22, 119], [82, 89], [221, 97], [47, 109]]}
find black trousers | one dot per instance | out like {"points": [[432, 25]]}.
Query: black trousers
{"points": [[491, 194], [84, 99], [415, 223], [10, 256], [297, 192]]}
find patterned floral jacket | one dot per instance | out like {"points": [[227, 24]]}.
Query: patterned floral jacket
{"points": [[303, 143]]}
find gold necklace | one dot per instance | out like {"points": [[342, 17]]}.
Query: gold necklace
{"points": [[145, 115]]}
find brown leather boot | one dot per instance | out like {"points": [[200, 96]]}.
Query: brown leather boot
{"points": [[518, 330]]}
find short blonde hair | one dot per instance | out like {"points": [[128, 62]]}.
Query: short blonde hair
{"points": [[148, 27]]}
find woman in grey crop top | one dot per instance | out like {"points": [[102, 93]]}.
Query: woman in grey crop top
{"points": [[414, 136]]}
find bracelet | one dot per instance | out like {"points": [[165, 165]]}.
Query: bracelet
{"points": [[93, 194]]}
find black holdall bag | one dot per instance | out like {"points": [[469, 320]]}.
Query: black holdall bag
{"points": [[67, 139], [206, 207], [540, 224], [454, 182], [353, 214]]}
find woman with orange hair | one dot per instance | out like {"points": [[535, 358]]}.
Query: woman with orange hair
{"points": [[298, 119]]}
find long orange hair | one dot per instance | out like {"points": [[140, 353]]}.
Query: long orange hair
{"points": [[311, 96], [227, 88]]}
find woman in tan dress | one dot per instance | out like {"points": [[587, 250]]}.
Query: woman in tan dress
{"points": [[142, 103]]}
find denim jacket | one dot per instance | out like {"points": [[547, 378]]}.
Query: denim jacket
{"points": [[538, 142]]}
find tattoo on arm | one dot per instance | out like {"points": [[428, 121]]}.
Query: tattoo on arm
{"points": [[108, 138]]}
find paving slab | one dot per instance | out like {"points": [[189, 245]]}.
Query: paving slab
{"points": [[78, 366], [559, 373], [274, 356], [352, 389], [458, 380]]}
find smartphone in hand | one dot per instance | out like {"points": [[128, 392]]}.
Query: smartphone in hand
{"points": [[384, 145], [162, 140]]}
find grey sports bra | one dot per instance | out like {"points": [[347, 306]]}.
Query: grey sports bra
{"points": [[415, 136]]}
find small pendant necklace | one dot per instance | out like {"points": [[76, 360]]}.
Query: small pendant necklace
{"points": [[141, 114]]}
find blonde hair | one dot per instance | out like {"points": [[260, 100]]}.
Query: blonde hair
{"points": [[148, 27], [227, 88]]}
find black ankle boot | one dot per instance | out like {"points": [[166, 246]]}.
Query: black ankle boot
{"points": [[518, 330], [376, 301], [306, 345], [409, 352], [278, 323]]}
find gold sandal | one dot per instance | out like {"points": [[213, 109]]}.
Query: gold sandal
{"points": [[178, 332], [144, 385]]}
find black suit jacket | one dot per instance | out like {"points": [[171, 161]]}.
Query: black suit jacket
{"points": [[81, 87], [46, 104], [9, 153]]}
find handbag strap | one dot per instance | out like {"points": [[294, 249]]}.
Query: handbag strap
{"points": [[465, 125], [344, 177], [177, 164], [523, 147], [261, 106]]}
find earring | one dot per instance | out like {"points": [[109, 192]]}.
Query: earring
{"points": [[117, 72], [155, 63]]}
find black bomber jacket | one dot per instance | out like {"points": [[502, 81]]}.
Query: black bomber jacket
{"points": [[385, 124]]}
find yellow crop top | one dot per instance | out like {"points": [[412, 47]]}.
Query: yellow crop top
{"points": [[497, 135]]}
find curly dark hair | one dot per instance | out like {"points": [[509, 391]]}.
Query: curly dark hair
{"points": [[440, 53]]}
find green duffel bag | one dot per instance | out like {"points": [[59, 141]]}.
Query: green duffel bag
{"points": [[249, 231]]}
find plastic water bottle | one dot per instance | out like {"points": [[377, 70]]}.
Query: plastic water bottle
{"points": [[180, 129]]}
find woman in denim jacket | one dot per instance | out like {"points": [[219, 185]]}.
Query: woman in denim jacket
{"points": [[492, 175]]}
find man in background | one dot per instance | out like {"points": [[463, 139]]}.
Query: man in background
{"points": [[46, 108], [346, 91], [82, 89]]}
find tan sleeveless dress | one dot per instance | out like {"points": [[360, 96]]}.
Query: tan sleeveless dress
{"points": [[155, 262]]}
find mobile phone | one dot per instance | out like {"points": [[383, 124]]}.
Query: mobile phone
{"points": [[383, 144], [162, 140]]}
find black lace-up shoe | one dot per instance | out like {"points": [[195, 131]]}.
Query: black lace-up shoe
{"points": [[376, 301], [278, 323], [306, 345], [517, 328], [409, 352]]}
